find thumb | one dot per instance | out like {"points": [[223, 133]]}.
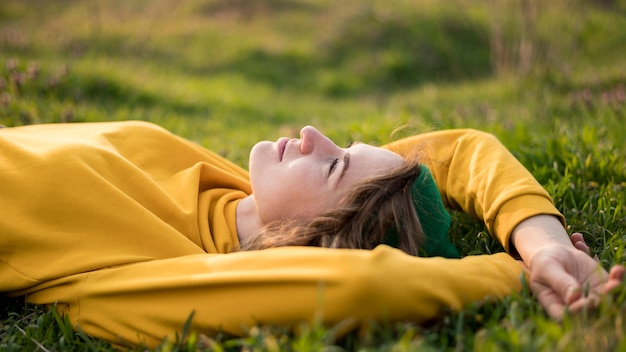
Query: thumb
{"points": [[573, 294], [552, 274]]}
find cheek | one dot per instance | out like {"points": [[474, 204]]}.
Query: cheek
{"points": [[287, 193], [280, 203]]}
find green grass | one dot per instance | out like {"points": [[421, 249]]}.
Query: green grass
{"points": [[229, 73]]}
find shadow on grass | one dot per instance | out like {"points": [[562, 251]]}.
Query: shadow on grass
{"points": [[367, 54], [111, 92], [361, 52], [247, 10]]}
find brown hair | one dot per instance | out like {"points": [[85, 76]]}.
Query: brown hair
{"points": [[362, 220]]}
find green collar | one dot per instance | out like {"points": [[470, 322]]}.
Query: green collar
{"points": [[433, 217]]}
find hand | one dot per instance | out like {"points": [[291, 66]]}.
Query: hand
{"points": [[562, 276]]}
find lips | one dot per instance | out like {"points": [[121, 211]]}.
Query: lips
{"points": [[282, 145]]}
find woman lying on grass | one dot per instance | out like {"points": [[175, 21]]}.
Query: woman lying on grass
{"points": [[128, 229]]}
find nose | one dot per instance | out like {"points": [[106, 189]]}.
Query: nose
{"points": [[314, 140]]}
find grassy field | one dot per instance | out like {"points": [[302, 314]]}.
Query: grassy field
{"points": [[548, 78]]}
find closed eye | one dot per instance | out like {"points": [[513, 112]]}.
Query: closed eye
{"points": [[333, 165]]}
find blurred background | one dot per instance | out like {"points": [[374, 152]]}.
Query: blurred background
{"points": [[546, 77], [230, 72]]}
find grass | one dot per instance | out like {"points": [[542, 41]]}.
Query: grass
{"points": [[229, 73]]}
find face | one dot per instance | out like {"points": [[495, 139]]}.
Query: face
{"points": [[300, 178]]}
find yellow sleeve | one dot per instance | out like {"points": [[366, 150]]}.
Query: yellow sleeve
{"points": [[477, 174], [144, 302]]}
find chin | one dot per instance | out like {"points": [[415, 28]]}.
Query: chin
{"points": [[260, 153], [260, 158]]}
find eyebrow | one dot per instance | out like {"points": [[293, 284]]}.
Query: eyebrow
{"points": [[346, 160], [346, 164]]}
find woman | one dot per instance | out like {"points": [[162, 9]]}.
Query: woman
{"points": [[128, 229]]}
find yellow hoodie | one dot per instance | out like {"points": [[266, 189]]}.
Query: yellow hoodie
{"points": [[127, 228]]}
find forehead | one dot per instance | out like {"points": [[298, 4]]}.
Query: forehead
{"points": [[369, 161]]}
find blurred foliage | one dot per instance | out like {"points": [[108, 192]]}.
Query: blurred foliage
{"points": [[547, 77]]}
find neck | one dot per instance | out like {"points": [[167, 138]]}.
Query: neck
{"points": [[247, 219]]}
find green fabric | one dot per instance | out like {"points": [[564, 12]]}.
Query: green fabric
{"points": [[433, 217]]}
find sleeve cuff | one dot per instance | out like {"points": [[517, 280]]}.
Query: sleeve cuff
{"points": [[516, 210]]}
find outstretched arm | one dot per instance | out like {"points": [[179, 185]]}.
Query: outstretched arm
{"points": [[145, 302], [477, 174]]}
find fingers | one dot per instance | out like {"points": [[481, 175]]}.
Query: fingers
{"points": [[617, 272], [549, 299], [585, 304], [551, 302], [579, 242], [573, 294], [577, 237], [616, 277], [555, 306]]}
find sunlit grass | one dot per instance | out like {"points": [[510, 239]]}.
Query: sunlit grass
{"points": [[229, 73]]}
